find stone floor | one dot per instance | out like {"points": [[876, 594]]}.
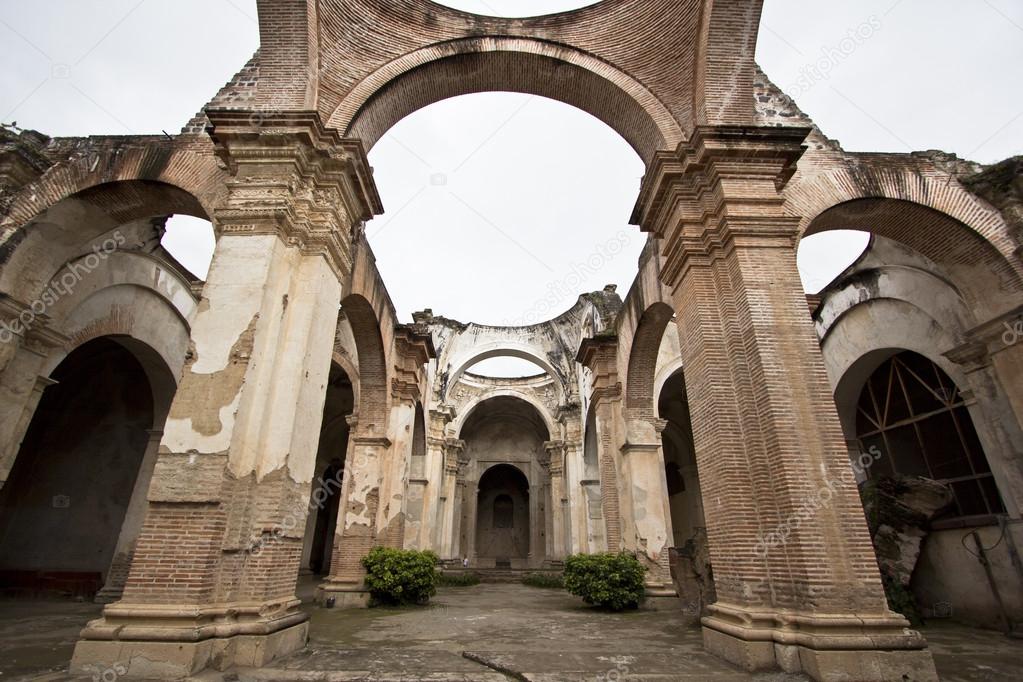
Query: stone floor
{"points": [[478, 634]]}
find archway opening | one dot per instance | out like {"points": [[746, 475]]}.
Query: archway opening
{"points": [[72, 491], [505, 516], [325, 498], [532, 191], [502, 516], [824, 256], [914, 419], [966, 258], [680, 469], [191, 242]]}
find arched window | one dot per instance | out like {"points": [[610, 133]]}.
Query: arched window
{"points": [[504, 512], [915, 415]]}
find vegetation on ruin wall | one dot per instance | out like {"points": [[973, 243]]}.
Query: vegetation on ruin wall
{"points": [[400, 576], [610, 581]]}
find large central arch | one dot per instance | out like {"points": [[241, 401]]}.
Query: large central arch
{"points": [[492, 64]]}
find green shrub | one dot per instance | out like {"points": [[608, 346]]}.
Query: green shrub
{"points": [[545, 580], [399, 576], [458, 579], [611, 581]]}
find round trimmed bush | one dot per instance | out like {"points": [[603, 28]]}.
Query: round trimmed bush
{"points": [[400, 576], [610, 581]]}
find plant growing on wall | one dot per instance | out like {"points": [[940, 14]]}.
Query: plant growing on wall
{"points": [[399, 576], [610, 581]]}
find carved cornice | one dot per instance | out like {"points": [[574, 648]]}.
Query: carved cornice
{"points": [[720, 189], [27, 328], [292, 177], [553, 457], [413, 349], [987, 339]]}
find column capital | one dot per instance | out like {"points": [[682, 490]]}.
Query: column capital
{"points": [[721, 187], [293, 177], [987, 339], [599, 354], [413, 349]]}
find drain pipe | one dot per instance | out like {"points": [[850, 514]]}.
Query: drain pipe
{"points": [[1003, 522], [982, 557]]}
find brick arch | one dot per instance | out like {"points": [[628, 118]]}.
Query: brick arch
{"points": [[646, 342], [371, 407], [911, 189], [155, 175], [507, 64], [725, 69], [952, 244]]}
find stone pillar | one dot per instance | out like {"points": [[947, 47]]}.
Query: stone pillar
{"points": [[555, 452], [650, 513], [406, 488], [573, 497], [993, 363], [357, 519], [772, 460], [451, 497], [117, 575], [212, 581], [599, 355]]}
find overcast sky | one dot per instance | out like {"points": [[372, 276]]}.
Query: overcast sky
{"points": [[502, 208]]}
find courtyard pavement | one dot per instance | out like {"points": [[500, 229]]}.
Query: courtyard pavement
{"points": [[482, 633]]}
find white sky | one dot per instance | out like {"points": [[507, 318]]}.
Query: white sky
{"points": [[496, 203]]}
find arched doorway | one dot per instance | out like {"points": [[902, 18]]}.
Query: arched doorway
{"points": [[502, 516], [680, 469], [915, 418], [70, 496], [325, 498], [506, 500]]}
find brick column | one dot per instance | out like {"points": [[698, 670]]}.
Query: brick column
{"points": [[599, 355], [768, 442], [212, 582]]}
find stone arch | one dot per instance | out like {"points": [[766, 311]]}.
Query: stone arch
{"points": [[98, 219], [461, 365], [509, 64], [548, 419], [92, 438], [373, 391], [639, 388]]}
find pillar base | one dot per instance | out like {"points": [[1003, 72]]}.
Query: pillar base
{"points": [[163, 652], [345, 595], [659, 597], [826, 647]]}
